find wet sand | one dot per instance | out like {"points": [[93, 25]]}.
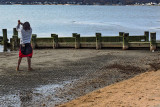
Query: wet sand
{"points": [[62, 75]]}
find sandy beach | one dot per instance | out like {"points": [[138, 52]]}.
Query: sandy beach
{"points": [[141, 91], [62, 75]]}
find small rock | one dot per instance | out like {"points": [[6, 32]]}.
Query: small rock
{"points": [[43, 104]]}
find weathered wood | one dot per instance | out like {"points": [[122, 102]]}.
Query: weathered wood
{"points": [[146, 33], [5, 40], [1, 38], [158, 44], [88, 39], [111, 39], [125, 41], [14, 43], [66, 39], [88, 44], [67, 44], [34, 36], [15, 32], [121, 34], [74, 34], [46, 42], [139, 44], [11, 44], [152, 41], [111, 44], [77, 41], [55, 40], [98, 41], [137, 38]]}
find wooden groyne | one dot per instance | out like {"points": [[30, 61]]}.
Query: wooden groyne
{"points": [[123, 40]]}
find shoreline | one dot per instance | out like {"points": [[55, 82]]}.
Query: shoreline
{"points": [[140, 91], [81, 5], [86, 69]]}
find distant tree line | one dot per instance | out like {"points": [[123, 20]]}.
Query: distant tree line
{"points": [[82, 2]]}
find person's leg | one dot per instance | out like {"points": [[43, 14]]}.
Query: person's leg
{"points": [[29, 63], [19, 62]]}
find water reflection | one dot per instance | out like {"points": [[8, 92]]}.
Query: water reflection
{"points": [[10, 100], [42, 95], [1, 48]]}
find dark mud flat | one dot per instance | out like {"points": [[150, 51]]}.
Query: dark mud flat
{"points": [[65, 74]]}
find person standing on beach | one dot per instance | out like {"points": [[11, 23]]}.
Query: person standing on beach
{"points": [[25, 43]]}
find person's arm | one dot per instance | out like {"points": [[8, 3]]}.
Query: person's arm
{"points": [[18, 28]]}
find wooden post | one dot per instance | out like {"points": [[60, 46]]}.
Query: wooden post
{"points": [[146, 34], [77, 41], [152, 41], [34, 36], [5, 40], [125, 41], [15, 32], [1, 38], [15, 42], [121, 34], [11, 42], [98, 41], [74, 34], [55, 40]]}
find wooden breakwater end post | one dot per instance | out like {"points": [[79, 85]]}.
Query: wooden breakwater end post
{"points": [[5, 40], [15, 32], [98, 40], [152, 41], [55, 40], [146, 34], [74, 34], [77, 41], [125, 41], [1, 39], [15, 41], [33, 41], [121, 34]]}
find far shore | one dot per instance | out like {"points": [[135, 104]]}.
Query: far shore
{"points": [[83, 5]]}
